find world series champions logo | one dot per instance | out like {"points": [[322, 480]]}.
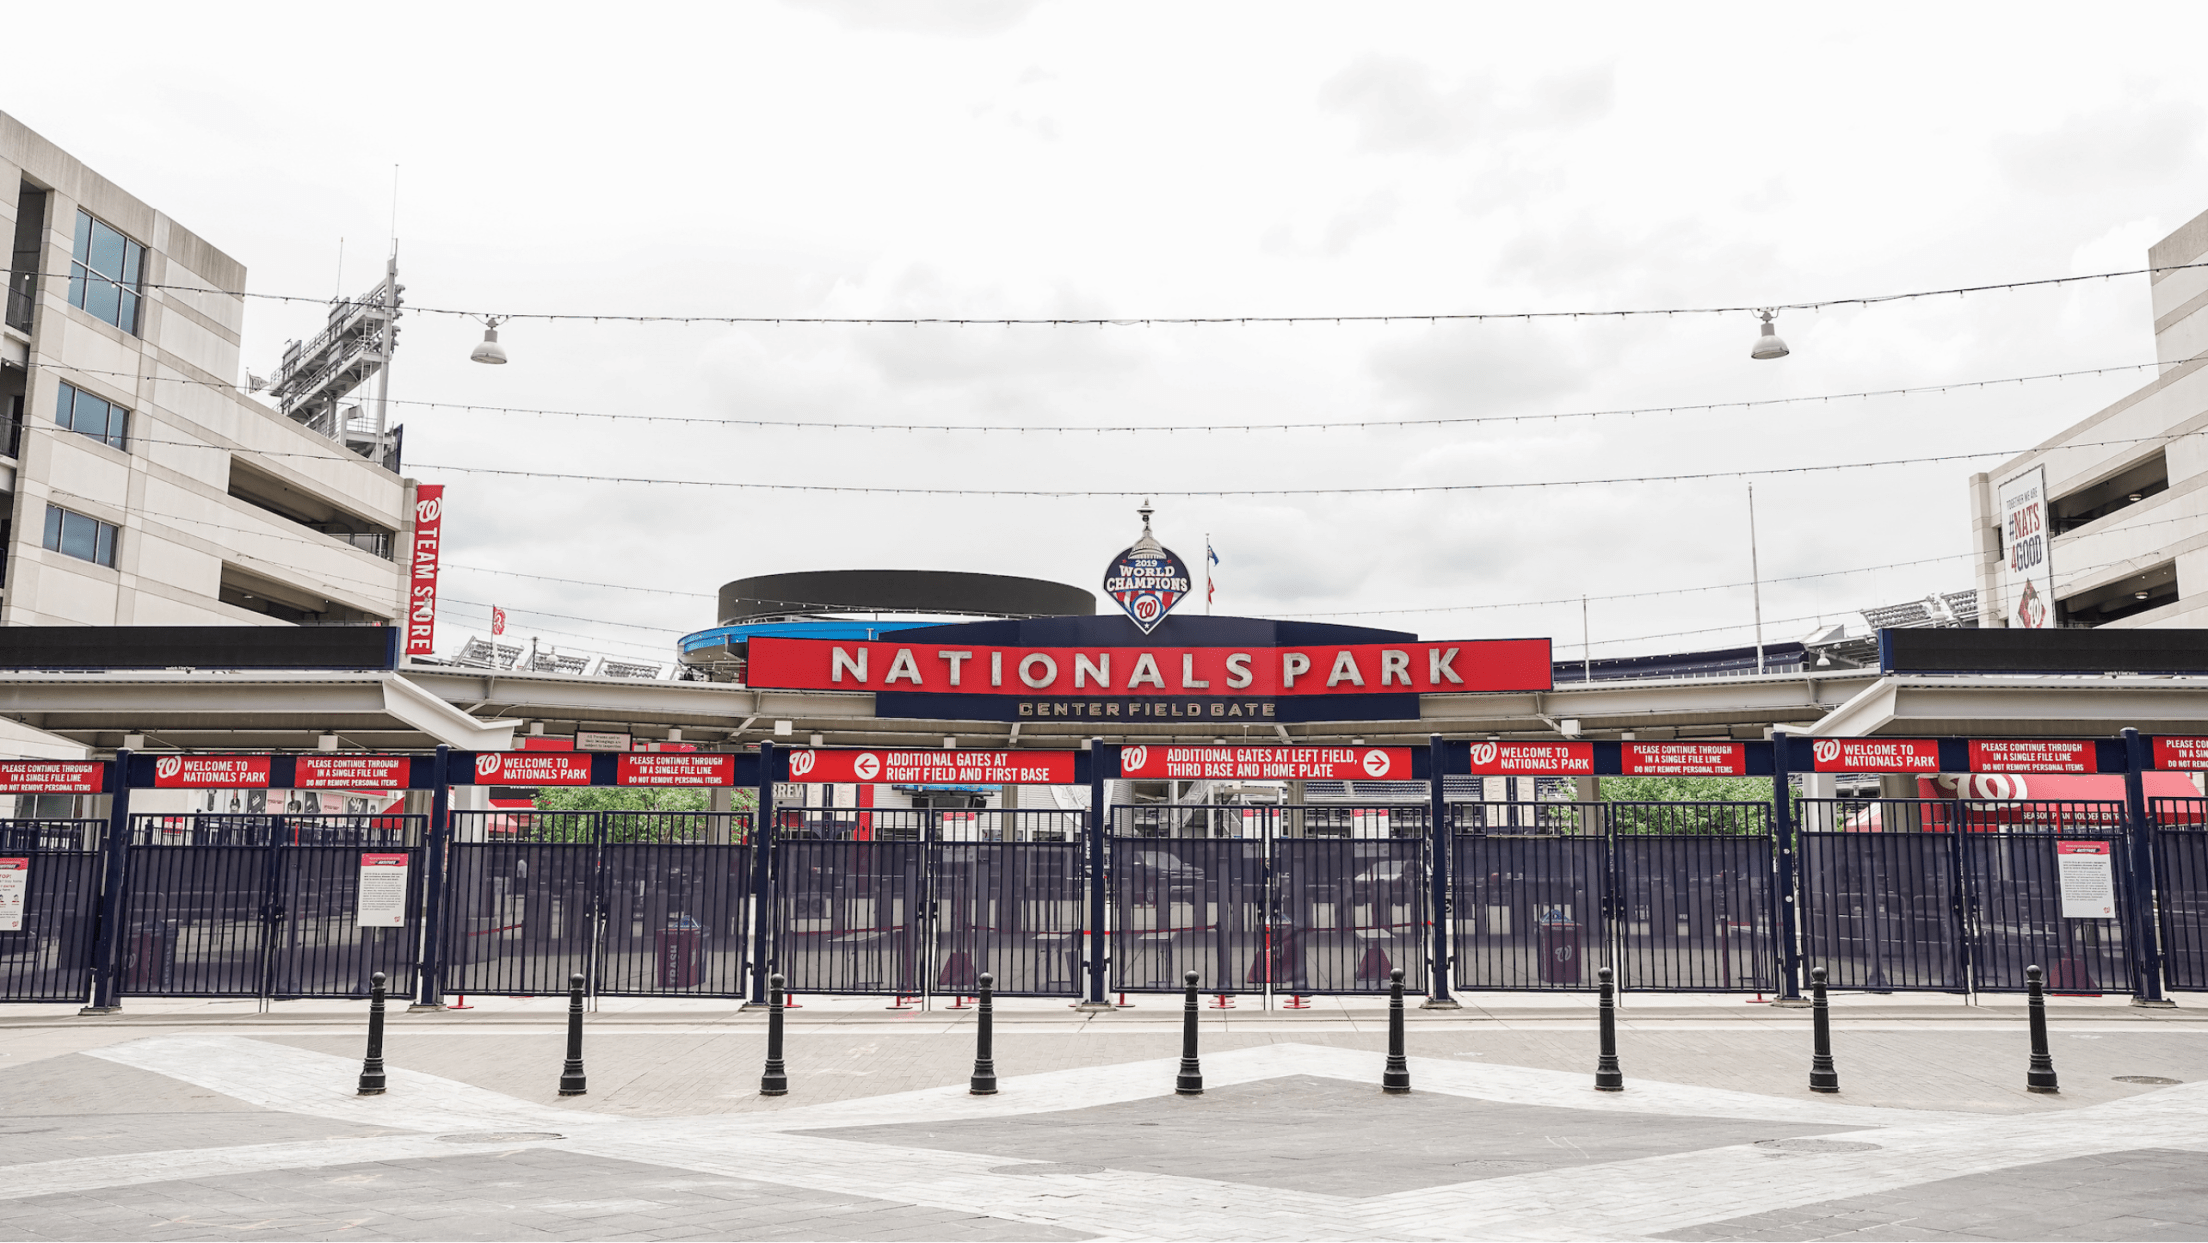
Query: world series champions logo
{"points": [[1147, 579]]}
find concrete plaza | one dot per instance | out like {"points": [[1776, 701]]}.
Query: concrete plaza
{"points": [[186, 1120]]}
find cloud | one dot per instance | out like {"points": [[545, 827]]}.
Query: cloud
{"points": [[1459, 369], [2138, 142], [955, 18], [1399, 108]]}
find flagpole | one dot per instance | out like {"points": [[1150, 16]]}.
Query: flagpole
{"points": [[1207, 573]]}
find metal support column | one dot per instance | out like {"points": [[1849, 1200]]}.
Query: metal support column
{"points": [[762, 851], [1783, 908], [1440, 857], [2144, 934], [1098, 821], [430, 978], [107, 949]]}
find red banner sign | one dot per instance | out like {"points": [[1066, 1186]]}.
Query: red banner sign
{"points": [[210, 772], [935, 767], [2183, 753], [1255, 672], [670, 768], [2033, 756], [1683, 759], [51, 777], [351, 772], [532, 768], [421, 574], [1528, 759], [1268, 763], [1874, 755]]}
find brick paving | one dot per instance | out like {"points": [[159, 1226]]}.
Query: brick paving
{"points": [[202, 1122]]}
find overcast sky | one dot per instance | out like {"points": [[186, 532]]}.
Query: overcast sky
{"points": [[1001, 157]]}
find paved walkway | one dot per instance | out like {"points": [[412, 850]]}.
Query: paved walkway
{"points": [[209, 1120]]}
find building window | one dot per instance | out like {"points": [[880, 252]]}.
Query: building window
{"points": [[73, 534], [105, 269], [80, 411]]}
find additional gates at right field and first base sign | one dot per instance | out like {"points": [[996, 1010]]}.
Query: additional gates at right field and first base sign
{"points": [[1950, 895], [1674, 896], [1303, 900]]}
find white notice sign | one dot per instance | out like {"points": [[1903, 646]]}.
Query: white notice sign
{"points": [[15, 887], [2088, 881], [382, 891]]}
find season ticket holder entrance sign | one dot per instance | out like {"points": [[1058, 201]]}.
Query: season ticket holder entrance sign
{"points": [[52, 777], [934, 767], [1267, 763]]}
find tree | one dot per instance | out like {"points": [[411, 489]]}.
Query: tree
{"points": [[1686, 789]]}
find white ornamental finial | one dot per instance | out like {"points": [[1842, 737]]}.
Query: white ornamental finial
{"points": [[1146, 511]]}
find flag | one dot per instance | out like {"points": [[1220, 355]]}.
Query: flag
{"points": [[498, 621], [1210, 558]]}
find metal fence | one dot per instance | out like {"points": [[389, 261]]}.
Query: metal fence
{"points": [[1956, 895], [1673, 896], [2181, 889], [640, 903], [222, 905], [1267, 899], [49, 958]]}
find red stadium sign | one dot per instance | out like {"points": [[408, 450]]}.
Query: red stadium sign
{"points": [[1874, 755], [1531, 759], [210, 772], [351, 772], [532, 768], [1267, 763], [1405, 668], [52, 777], [1683, 759], [2181, 753], [2033, 756], [934, 767], [675, 768]]}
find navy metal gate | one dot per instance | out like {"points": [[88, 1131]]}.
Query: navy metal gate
{"points": [[1285, 899], [1956, 895], [2181, 889], [1530, 887], [50, 957], [521, 897], [223, 905]]}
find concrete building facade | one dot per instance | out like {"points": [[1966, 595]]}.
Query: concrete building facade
{"points": [[141, 485], [2124, 497]]}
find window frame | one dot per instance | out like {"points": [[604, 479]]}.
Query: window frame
{"points": [[114, 429], [59, 531], [116, 298]]}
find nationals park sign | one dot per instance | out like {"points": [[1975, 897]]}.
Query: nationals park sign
{"points": [[1197, 670]]}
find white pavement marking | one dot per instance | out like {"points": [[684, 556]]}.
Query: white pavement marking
{"points": [[1639, 1197], [276, 1076]]}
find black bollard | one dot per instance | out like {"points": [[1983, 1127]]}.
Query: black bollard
{"points": [[1823, 1077], [1608, 1078], [1190, 1082], [2041, 1078], [984, 1082], [371, 1070], [571, 1075], [1396, 1079], [776, 1081]]}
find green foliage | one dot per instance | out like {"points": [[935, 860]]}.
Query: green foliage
{"points": [[586, 798], [1686, 789]]}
